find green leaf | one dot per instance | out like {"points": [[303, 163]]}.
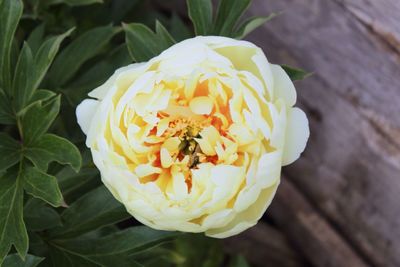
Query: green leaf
{"points": [[38, 118], [6, 112], [179, 30], [22, 88], [12, 226], [296, 74], [35, 39], [42, 185], [78, 52], [75, 2], [228, 15], [10, 150], [46, 54], [200, 13], [51, 148], [73, 185], [10, 13], [13, 260], [164, 35], [117, 248], [38, 216], [251, 24], [96, 209], [143, 44], [238, 261]]}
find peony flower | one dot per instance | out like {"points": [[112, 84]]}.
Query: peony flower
{"points": [[194, 139]]}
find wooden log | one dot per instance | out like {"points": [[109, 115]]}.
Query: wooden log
{"points": [[264, 245], [306, 228], [350, 170]]}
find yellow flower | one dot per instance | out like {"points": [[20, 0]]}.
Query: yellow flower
{"points": [[194, 139]]}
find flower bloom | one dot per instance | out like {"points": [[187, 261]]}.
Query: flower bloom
{"points": [[194, 139]]}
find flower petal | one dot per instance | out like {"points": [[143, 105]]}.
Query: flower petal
{"points": [[297, 133]]}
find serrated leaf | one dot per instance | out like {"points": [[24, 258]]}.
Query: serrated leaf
{"points": [[51, 148], [295, 74], [38, 118], [42, 185], [10, 150], [78, 52], [13, 260], [22, 88], [35, 39], [38, 216], [228, 15], [10, 13], [95, 209], [200, 13], [143, 44], [251, 24], [46, 54], [117, 248], [12, 226], [6, 112]]}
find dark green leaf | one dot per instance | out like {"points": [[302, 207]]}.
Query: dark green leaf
{"points": [[179, 30], [46, 54], [75, 2], [51, 148], [42, 185], [10, 13], [73, 185], [22, 88], [143, 44], [229, 13], [251, 24], [164, 35], [200, 12], [38, 216], [78, 52], [35, 39], [239, 261], [96, 209], [199, 250], [6, 112], [296, 74], [117, 248], [12, 227], [10, 151], [38, 118], [13, 260]]}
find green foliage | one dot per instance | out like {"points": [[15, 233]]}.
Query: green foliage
{"points": [[54, 210], [296, 74], [143, 43], [227, 19]]}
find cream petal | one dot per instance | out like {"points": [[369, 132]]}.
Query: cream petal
{"points": [[101, 91], [247, 218], [297, 133], [201, 105], [85, 113], [283, 86]]}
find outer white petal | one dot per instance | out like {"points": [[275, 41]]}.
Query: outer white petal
{"points": [[244, 56], [85, 112], [101, 91], [247, 218], [297, 133], [283, 86]]}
